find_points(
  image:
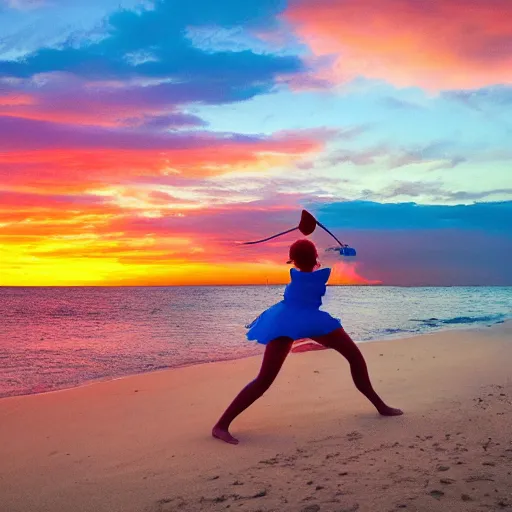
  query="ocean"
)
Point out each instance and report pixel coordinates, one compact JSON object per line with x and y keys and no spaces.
{"x":59,"y":337}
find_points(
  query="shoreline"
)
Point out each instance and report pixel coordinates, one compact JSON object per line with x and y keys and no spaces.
{"x":284,"y":283}
{"x":391,"y":337}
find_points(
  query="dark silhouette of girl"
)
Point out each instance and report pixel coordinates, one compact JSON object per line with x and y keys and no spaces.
{"x":296,"y":317}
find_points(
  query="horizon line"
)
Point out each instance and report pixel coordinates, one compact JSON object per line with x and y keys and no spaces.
{"x":253,"y":284}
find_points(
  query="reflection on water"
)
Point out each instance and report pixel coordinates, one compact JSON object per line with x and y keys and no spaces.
{"x":53,"y":338}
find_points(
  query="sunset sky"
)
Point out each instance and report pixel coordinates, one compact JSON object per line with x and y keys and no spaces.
{"x":139,"y":141}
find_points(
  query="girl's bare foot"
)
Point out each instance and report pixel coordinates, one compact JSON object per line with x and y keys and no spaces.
{"x":223,"y":435}
{"x":390,"y":411}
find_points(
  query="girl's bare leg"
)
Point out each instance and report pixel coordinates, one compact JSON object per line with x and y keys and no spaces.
{"x":275,"y":355}
{"x":340,"y":341}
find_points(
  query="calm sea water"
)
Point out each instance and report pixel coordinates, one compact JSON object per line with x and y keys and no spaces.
{"x":54,"y":338}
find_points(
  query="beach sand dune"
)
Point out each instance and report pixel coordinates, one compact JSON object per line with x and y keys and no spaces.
{"x":311,"y":444}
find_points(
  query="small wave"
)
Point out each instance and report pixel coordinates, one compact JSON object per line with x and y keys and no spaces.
{"x":498,"y":318}
{"x":469,"y":319}
{"x":394,"y":331}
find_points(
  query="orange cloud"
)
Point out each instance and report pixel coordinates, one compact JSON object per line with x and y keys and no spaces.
{"x":345,"y":273}
{"x":15,"y":99}
{"x":101,"y":206}
{"x":82,"y":261}
{"x":80,"y":112}
{"x":74,"y":169}
{"x":44,"y":246}
{"x":440,"y":44}
{"x":64,"y":98}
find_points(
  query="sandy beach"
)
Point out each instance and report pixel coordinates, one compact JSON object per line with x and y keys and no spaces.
{"x":311,"y":444}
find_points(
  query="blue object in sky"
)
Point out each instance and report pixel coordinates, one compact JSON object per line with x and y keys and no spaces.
{"x":347,"y":251}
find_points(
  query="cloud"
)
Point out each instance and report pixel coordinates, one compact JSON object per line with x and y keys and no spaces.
{"x":489,"y":217}
{"x":442,"y":154}
{"x":144,"y":73}
{"x":435,"y":191}
{"x":28,"y":135}
{"x":22,"y":200}
{"x":441,"y":256}
{"x":23,"y":4}
{"x":361,"y":157}
{"x":53,"y":158}
{"x":399,"y":104}
{"x":119,"y":106}
{"x":435,"y":151}
{"x":161,"y":33}
{"x":169,"y":121}
{"x":103,"y":148}
{"x":25,"y":134}
{"x":404,"y":244}
{"x":67,"y":99}
{"x":436,"y":45}
{"x":476,"y":196}
{"x":206,"y":237}
{"x":494,"y":97}
{"x":62,"y":97}
{"x":159,"y":197}
{"x":425,"y":245}
{"x":408,"y":189}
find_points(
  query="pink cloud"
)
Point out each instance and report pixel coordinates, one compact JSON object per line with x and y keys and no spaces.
{"x":436,"y":45}
{"x":65,"y":98}
{"x":62,"y":157}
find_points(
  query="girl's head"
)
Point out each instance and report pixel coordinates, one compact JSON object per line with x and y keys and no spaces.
{"x":303,"y":255}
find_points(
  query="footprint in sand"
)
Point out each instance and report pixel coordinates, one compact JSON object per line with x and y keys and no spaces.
{"x":270,"y":462}
{"x":483,"y":477}
{"x":167,"y":504}
{"x":354,"y":436}
{"x":311,"y":508}
{"x":436,"y":494}
{"x":353,"y":508}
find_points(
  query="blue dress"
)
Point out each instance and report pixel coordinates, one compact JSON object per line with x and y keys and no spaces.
{"x":297,"y":316}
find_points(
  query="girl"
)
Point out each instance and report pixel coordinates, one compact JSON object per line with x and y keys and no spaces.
{"x":297,"y":317}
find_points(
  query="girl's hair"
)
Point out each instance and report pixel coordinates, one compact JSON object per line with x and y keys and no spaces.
{"x":303,"y":254}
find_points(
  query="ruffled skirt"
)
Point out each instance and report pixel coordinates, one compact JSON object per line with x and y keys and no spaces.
{"x":284,"y":319}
